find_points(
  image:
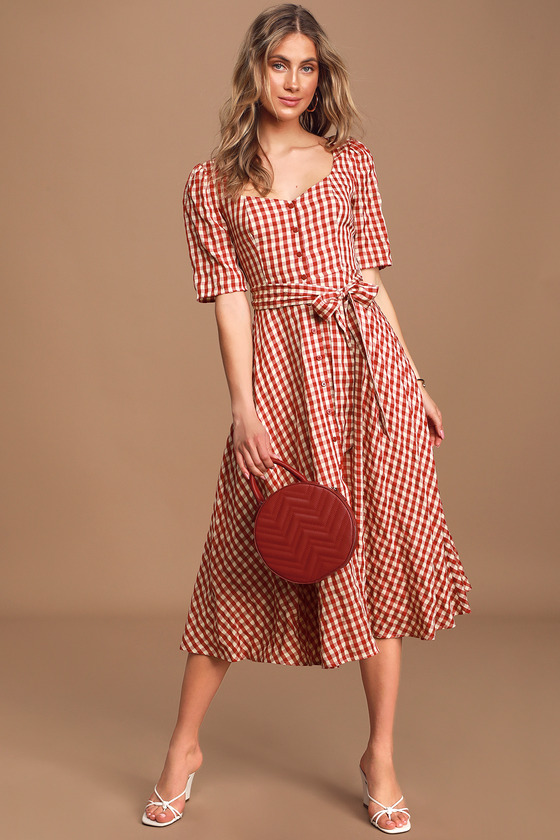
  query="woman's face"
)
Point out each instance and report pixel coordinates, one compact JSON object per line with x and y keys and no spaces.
{"x":293,"y":73}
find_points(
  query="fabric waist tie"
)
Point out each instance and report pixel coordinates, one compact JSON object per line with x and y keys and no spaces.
{"x":326,"y":303}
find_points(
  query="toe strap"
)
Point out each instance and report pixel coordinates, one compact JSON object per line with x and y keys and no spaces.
{"x":387,"y":809}
{"x":166,"y":803}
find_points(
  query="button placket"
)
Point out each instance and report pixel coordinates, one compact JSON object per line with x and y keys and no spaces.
{"x":299,"y":250}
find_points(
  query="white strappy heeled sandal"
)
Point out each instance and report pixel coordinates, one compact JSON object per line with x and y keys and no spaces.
{"x":165,"y":804}
{"x":385,"y":809}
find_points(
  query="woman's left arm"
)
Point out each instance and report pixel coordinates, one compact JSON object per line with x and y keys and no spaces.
{"x":433,"y":414}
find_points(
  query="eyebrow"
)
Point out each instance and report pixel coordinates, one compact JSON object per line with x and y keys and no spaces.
{"x":283,"y":57}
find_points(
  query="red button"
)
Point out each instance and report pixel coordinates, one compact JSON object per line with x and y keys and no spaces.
{"x":335,"y":438}
{"x":290,"y":203}
{"x":298,"y":253}
{"x":295,"y":230}
{"x":318,"y":358}
{"x":302,"y":276}
{"x":313,"y":329}
{"x":329,"y":410}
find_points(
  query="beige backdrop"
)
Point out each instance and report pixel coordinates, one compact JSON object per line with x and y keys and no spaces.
{"x":115,"y":406}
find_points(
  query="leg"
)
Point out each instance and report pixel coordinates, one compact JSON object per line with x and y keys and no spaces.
{"x":380,"y":676}
{"x":202,"y":678}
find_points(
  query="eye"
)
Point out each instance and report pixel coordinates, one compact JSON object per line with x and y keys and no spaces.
{"x":277,"y":64}
{"x":309,"y":67}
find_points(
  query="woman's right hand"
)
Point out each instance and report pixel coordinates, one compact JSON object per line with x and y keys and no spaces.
{"x":252,"y":445}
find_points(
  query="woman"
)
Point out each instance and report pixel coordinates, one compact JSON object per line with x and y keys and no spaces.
{"x":321,"y":378}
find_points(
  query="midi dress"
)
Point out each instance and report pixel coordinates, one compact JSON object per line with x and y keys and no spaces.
{"x":340,"y":401}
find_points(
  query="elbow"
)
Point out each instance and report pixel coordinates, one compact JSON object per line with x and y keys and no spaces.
{"x":231,"y":305}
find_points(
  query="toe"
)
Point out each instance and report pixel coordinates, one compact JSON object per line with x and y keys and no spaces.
{"x":383,"y":822}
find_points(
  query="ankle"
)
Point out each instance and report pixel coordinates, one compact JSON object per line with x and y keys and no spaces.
{"x":379,"y":752}
{"x":180,"y":749}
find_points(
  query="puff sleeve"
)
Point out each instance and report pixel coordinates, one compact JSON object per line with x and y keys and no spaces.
{"x":371,"y":242}
{"x":216,"y":269}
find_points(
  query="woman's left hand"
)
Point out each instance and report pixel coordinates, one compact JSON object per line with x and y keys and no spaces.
{"x":435,"y":422}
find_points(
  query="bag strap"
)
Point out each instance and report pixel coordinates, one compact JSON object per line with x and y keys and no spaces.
{"x":253,"y":479}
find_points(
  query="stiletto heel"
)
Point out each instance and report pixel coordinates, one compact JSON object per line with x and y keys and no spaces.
{"x":384,"y":809}
{"x":165,"y":804}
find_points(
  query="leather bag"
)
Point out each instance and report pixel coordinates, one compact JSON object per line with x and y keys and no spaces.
{"x":304,"y":531}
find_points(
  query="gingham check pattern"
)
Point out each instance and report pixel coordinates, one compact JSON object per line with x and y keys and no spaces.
{"x":338,"y":396}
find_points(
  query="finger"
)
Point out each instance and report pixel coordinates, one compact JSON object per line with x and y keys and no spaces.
{"x":438,"y":427}
{"x":241,"y":464}
{"x":248,"y":464}
{"x":432,"y":433}
{"x":435,"y":436}
{"x":254,"y":464}
{"x":262,"y":454}
{"x":266,"y":455}
{"x":259,"y":464}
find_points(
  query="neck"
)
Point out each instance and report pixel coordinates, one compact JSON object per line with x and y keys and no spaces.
{"x":276,"y":137}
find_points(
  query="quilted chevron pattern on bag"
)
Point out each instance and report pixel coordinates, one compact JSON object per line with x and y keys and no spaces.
{"x":304,"y":532}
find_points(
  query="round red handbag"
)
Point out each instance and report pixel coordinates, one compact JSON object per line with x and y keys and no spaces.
{"x":304,"y":531}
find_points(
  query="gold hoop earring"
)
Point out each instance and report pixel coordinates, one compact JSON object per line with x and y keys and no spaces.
{"x":312,"y":109}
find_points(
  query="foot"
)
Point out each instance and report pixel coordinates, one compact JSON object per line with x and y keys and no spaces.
{"x":383,"y":785}
{"x":176,"y":770}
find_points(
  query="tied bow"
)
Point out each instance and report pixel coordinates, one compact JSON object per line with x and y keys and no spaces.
{"x":329,"y":303}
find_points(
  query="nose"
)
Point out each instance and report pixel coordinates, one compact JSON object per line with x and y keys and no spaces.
{"x":291,"y":82}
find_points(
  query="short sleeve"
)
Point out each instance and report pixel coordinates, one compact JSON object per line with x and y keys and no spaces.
{"x":371,"y":243}
{"x":216,"y":269}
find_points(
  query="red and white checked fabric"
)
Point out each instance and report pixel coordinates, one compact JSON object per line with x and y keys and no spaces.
{"x":337,"y":394}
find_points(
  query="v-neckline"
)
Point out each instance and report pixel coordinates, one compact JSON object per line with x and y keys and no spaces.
{"x":292,"y":201}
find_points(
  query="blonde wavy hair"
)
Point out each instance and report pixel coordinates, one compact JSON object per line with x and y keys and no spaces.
{"x":237,"y":159}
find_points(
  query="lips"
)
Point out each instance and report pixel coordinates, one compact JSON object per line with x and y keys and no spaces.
{"x":289,"y":101}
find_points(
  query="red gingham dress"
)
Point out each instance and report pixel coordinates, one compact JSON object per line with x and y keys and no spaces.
{"x":337,"y":394}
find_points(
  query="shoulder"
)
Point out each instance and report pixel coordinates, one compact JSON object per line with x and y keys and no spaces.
{"x":198,"y":176}
{"x":200,"y":186}
{"x":357,"y":153}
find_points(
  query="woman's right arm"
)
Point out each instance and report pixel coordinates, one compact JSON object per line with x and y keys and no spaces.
{"x":251,"y":440}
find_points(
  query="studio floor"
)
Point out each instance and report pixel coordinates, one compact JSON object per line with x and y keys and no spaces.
{"x":89,"y":703}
